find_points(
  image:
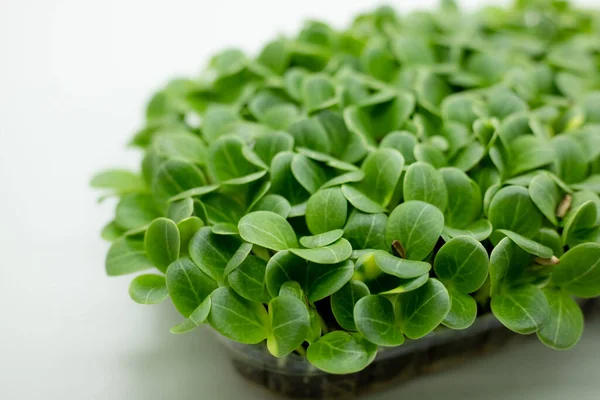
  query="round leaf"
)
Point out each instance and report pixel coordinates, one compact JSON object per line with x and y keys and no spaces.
{"x":382,"y":170}
{"x":463,"y":311}
{"x":126,"y":256}
{"x":274,"y":203}
{"x":405,"y":269}
{"x":290,"y":324}
{"x":322,"y":239}
{"x":212,"y":252}
{"x":237,"y":318}
{"x":162,"y":243}
{"x":545,"y":195}
{"x":462,"y":263}
{"x":523,"y":310}
{"x":326,"y":211}
{"x":564,"y":326}
{"x":423,"y":182}
{"x":331,"y":254}
{"x":267,"y":229}
{"x":338,"y":352}
{"x":366,"y":231}
{"x":579,"y":271}
{"x":421,"y":311}
{"x":308,"y":173}
{"x":376,"y":321}
{"x":148,"y":289}
{"x":417,"y":226}
{"x":360,"y":200}
{"x":188,"y":286}
{"x":248,"y":279}
{"x":512,"y":209}
{"x":343,"y":301}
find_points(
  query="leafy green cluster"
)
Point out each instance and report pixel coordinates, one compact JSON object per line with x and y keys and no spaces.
{"x":346,"y":190}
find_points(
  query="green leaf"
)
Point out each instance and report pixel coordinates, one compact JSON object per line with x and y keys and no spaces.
{"x":212,"y":252}
{"x":318,"y":92}
{"x":343,"y":302}
{"x":181,"y":146}
{"x":283,"y":182}
{"x":459,"y":108}
{"x":382,"y":170}
{"x":227,"y":161}
{"x":126,"y":256}
{"x":405,"y":269}
{"x":512,"y":209}
{"x":238,"y":257}
{"x":267,"y":229}
{"x":188,"y":286}
{"x":412,"y":50}
{"x":269,"y":145}
{"x":338,"y":353}
{"x":580,"y":222}
{"x":579,"y":271}
{"x":464,"y":198}
{"x":523,"y":309}
{"x":237,"y":318}
{"x":508,"y":263}
{"x":290,"y":323}
{"x":463,"y":311}
{"x":462,"y":264}
{"x":187,"y":229}
{"x":225,"y":228}
{"x":284,"y":267}
{"x":174,"y":177}
{"x":366,"y":231}
{"x":381,"y":114}
{"x":592,"y":184}
{"x":479,"y":230}
{"x":349,"y":177}
{"x":376,"y":321}
{"x":196,"y":318}
{"x":310,"y":133}
{"x":308,"y":173}
{"x":564,"y":326}
{"x":423,"y":182}
{"x":360,"y":200}
{"x":326,"y":210}
{"x":325,"y":280}
{"x":468,"y":157}
{"x":162,"y":243}
{"x":135,"y":210}
{"x":274,"y":203}
{"x":421,"y":311}
{"x":417,"y":226}
{"x":194,"y":192}
{"x":431,"y":90}
{"x":322,"y":239}
{"x":222,"y":208}
{"x":528,"y":152}
{"x":402,"y":141}
{"x":503,"y":102}
{"x":248,"y":279}
{"x":570,"y":159}
{"x":111,"y":232}
{"x":148,"y":289}
{"x":331,"y":254}
{"x":292,"y":288}
{"x":545,"y":195}
{"x":528,"y":245}
{"x":118,"y":180}
{"x":405,"y":285}
{"x":431,"y":155}
{"x":181,"y":209}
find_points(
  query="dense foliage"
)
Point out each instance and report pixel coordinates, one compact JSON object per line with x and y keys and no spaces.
{"x":348,"y":190}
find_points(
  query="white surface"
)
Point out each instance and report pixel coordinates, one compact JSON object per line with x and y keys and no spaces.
{"x":74,"y":76}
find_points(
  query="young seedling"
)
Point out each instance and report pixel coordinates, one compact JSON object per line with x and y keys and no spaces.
{"x":347,"y":190}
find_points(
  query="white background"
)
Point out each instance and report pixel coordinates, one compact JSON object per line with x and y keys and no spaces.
{"x":74,"y":77}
